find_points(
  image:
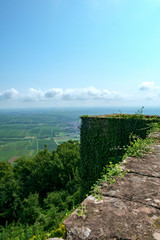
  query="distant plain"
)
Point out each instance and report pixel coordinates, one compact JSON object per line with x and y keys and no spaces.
{"x":25,"y":132}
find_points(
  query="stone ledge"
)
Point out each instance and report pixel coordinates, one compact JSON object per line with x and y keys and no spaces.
{"x":113,"y":218}
{"x":129,"y":209}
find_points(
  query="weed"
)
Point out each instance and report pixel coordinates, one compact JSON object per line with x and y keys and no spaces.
{"x":108,"y":175}
{"x":95,"y":191}
{"x":153,"y":127}
{"x":140,"y":111}
{"x":157,"y":223}
{"x":138,"y":146}
{"x":81,"y":211}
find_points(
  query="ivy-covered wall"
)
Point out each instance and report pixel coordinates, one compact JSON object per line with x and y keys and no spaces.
{"x":102,"y":141}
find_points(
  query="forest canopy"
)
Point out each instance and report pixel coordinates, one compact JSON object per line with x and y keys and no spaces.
{"x":39,"y":191}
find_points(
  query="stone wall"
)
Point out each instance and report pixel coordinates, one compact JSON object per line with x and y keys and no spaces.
{"x":129,"y":208}
{"x":102,"y":141}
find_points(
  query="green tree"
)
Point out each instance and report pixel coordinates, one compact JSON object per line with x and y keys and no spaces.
{"x":22,"y":172}
{"x":9,"y":197}
{"x":30,"y":209}
{"x":41,"y":189}
{"x":68,"y":153}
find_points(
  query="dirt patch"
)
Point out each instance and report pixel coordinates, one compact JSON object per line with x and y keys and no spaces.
{"x":13,"y":159}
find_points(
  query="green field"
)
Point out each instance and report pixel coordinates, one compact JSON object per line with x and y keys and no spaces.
{"x":27,"y":132}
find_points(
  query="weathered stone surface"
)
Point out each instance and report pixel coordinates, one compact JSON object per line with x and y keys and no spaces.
{"x":54,"y":239}
{"x":129,"y":209}
{"x":147,"y":165}
{"x":134,"y":187}
{"x":113,"y":218}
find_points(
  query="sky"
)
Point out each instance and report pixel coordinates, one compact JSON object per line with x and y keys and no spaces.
{"x":64,"y":53}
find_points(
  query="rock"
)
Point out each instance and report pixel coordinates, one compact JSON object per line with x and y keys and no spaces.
{"x":54,"y":239}
{"x":129,"y":209}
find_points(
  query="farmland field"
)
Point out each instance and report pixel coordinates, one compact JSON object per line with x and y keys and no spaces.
{"x":27,"y":132}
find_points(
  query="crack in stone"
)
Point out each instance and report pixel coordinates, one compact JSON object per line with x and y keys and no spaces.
{"x":131,"y":200}
{"x":143,"y":174}
{"x":117,"y":238}
{"x":150,"y":205}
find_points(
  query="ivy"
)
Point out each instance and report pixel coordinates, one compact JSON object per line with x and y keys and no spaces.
{"x":109,"y":175}
{"x":138,"y":146}
{"x":104,"y":139}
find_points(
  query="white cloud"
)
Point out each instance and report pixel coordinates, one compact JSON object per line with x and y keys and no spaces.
{"x":37,"y":95}
{"x":90,"y":93}
{"x":54,"y":92}
{"x":8,"y":94}
{"x":151,"y":92}
{"x":32,"y":95}
{"x":90,"y":96}
{"x":147,"y":86}
{"x":81,"y":93}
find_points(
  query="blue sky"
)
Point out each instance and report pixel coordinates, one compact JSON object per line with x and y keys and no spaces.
{"x":79,"y":53}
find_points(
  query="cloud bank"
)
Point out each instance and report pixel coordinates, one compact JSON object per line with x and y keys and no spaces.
{"x":146,"y":93}
{"x":32,"y":94}
{"x":151,"y":91}
{"x":9,"y":94}
{"x":148,"y":86}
